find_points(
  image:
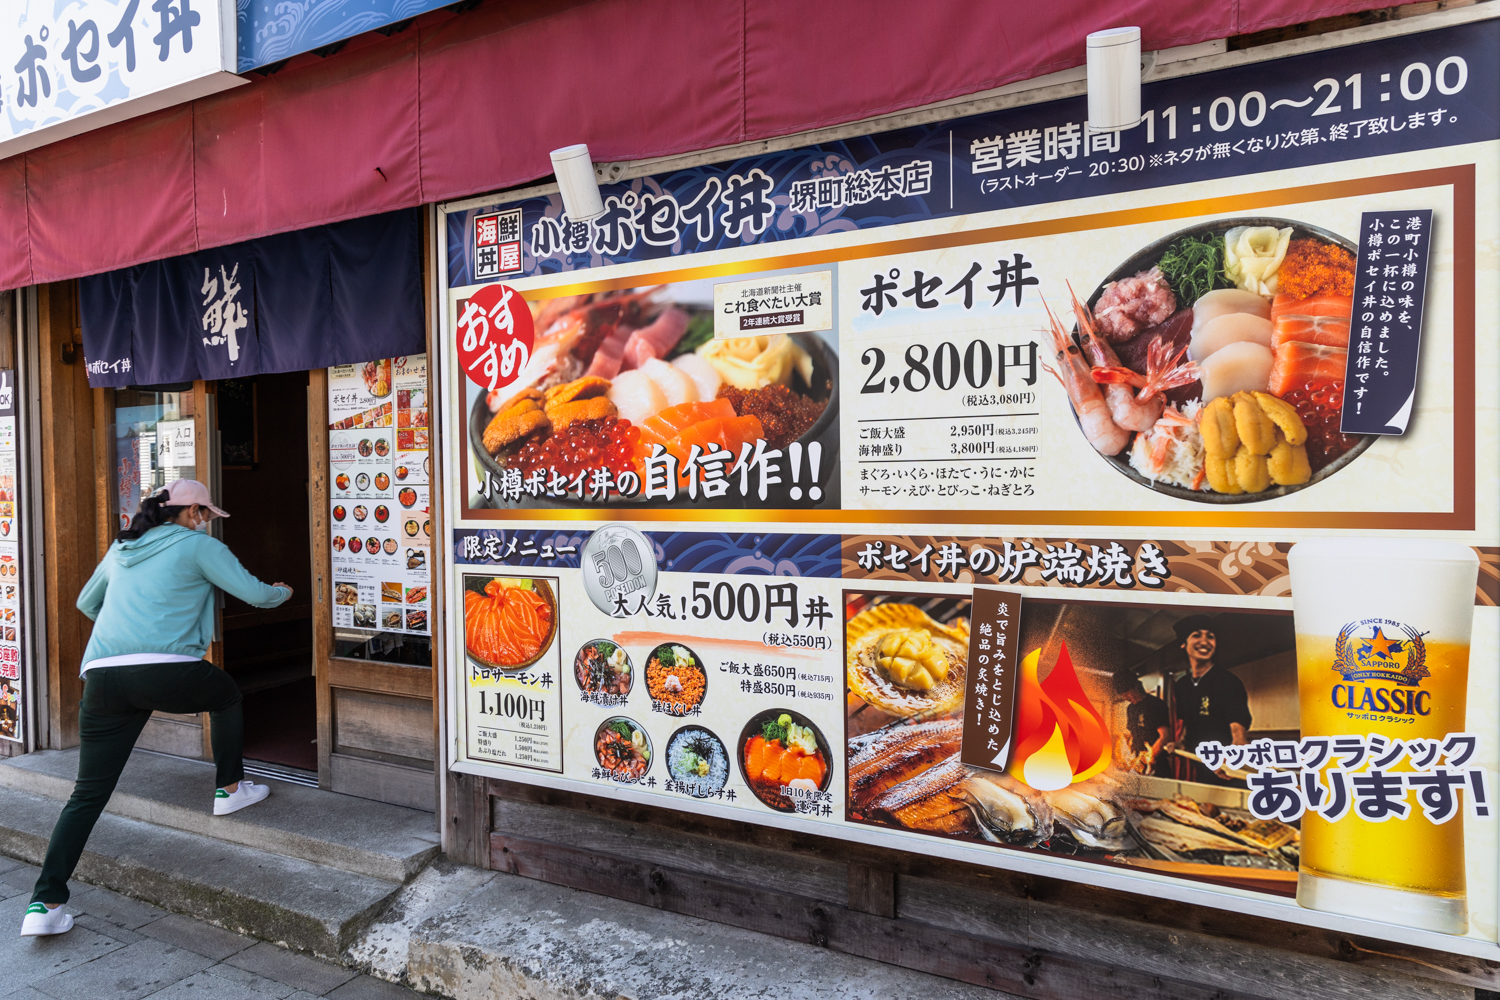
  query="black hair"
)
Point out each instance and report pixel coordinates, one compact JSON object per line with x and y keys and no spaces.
{"x":153,"y":512}
{"x":1126,"y":681}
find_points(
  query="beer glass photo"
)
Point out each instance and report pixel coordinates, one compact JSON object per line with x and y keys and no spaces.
{"x":1383,"y":629}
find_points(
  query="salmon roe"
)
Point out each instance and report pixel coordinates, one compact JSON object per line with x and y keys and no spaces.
{"x":1321,"y":407}
{"x":583,"y":445}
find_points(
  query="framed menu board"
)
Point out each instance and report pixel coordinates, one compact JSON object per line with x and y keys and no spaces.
{"x":379,"y":464}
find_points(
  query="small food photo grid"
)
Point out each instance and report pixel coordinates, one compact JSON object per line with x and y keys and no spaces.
{"x":1213,"y":360}
{"x":779,"y":753}
{"x":705,"y":716}
{"x":380,"y":523}
{"x":1110,"y":696}
{"x":617,"y":376}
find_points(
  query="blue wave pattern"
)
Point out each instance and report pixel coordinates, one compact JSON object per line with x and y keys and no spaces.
{"x":273,"y":30}
{"x":1213,"y":126}
{"x":745,"y":554}
{"x":748,"y":554}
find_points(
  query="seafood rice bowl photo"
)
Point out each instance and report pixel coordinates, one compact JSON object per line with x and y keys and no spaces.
{"x":784,"y":759}
{"x":1210,"y":365}
{"x":696,"y":759}
{"x":616,"y":377}
{"x":623,"y":749}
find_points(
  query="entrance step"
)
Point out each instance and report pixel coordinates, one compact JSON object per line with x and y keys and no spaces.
{"x":303,"y":905}
{"x":374,"y":839}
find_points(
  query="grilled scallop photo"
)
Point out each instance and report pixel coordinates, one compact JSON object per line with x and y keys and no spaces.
{"x":903,"y":662}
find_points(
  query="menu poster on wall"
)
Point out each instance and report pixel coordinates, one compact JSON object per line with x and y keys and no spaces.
{"x":11,"y":716}
{"x":380,"y":524}
{"x":1031,"y":530}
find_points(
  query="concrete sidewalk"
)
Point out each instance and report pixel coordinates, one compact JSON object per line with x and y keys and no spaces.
{"x":319,"y":894}
{"x":123,"y":949}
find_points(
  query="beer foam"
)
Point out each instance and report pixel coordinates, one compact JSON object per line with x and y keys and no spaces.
{"x":1421,"y":582}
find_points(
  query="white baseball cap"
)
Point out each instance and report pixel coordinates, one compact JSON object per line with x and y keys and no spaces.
{"x":186,"y":492}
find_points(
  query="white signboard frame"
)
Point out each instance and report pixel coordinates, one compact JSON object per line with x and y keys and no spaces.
{"x":83,"y":64}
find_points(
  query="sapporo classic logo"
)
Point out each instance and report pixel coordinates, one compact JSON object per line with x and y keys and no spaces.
{"x":1375,"y":652}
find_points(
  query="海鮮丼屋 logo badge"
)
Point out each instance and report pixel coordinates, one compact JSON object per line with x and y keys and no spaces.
{"x":1378,"y":649}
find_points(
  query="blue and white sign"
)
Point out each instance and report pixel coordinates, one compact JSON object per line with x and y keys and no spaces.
{"x":69,"y":66}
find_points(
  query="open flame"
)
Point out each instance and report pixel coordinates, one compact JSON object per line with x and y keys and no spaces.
{"x":1061,"y":739}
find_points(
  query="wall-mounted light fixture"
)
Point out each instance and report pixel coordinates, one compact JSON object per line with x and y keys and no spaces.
{"x":1114,"y":70}
{"x":576,"y":181}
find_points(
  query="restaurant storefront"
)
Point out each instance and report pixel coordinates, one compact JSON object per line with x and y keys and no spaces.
{"x":300,"y":397}
{"x":858,"y":535}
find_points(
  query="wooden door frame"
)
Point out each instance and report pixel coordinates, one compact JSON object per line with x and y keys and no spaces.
{"x":322,"y":566}
{"x":69,"y":500}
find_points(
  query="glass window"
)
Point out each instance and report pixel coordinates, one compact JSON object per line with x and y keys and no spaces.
{"x":152,"y":444}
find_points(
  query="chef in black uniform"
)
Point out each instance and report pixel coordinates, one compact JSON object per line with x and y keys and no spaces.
{"x":1208,"y":702}
{"x":1148,"y":725}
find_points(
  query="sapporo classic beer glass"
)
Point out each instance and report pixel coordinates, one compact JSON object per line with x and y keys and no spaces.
{"x":1383,"y":630}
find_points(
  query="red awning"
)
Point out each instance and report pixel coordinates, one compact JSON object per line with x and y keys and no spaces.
{"x":464,"y":103}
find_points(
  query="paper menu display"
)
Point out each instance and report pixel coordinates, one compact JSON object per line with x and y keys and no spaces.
{"x":11,"y":711}
{"x":379,"y":519}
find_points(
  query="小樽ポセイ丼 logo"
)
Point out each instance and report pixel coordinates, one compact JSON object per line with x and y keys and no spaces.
{"x":1378,"y":649}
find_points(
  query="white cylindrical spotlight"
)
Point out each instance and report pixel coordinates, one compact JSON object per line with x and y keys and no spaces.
{"x":576,"y":181}
{"x":1114,"y":68}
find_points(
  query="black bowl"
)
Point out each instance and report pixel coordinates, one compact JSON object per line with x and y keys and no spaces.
{"x":825,"y":385}
{"x":1146,"y":259}
{"x":778,"y":801}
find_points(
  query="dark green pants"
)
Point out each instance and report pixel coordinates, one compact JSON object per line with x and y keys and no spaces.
{"x":116,"y":704}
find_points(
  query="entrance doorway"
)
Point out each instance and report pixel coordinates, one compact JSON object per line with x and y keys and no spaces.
{"x":262,"y":426}
{"x":346,"y":702}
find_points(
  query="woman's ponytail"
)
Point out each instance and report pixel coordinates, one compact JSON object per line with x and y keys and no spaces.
{"x":152,"y":513}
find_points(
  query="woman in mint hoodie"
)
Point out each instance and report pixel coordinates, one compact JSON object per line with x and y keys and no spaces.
{"x":152,"y":603}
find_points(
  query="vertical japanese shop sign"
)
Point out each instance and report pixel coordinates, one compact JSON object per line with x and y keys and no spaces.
{"x":382,"y":530}
{"x":11,"y":716}
{"x":1390,"y":289}
{"x":989,"y":702}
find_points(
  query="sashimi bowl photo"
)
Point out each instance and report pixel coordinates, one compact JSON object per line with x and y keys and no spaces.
{"x":1210,"y":365}
{"x":616,"y":376}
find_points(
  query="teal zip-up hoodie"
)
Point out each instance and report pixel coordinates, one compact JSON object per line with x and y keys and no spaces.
{"x":155,"y":594}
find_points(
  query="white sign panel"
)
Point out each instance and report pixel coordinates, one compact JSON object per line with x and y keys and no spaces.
{"x":175,"y":445}
{"x":74,"y":65}
{"x":793,"y":303}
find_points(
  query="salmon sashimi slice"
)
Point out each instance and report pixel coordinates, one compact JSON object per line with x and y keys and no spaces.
{"x":1334,"y":306}
{"x":770,"y":767}
{"x":667,"y":424}
{"x":727,"y":434}
{"x":755,"y":755}
{"x":811,"y":768}
{"x":1298,"y":364}
{"x":1324,"y":330}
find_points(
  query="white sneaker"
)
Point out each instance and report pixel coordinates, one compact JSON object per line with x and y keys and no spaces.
{"x":40,"y":921}
{"x":247,"y":794}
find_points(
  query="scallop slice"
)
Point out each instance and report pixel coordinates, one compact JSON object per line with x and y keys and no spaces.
{"x":1243,"y":366}
{"x":675,"y":383}
{"x":703,"y":374}
{"x":1230,"y":328}
{"x":1229,"y":300}
{"x":636,"y":397}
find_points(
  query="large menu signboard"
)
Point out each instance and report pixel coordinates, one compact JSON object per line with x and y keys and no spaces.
{"x":379,"y":460}
{"x":1112,"y":506}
